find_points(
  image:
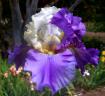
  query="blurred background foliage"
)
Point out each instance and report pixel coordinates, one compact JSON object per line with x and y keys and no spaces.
{"x":89,"y":10}
{"x":92,"y":12}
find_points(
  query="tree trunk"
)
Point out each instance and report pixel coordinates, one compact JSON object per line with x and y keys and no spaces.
{"x":17,"y":21}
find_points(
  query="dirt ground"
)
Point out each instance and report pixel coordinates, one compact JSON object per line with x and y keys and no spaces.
{"x":97,"y":92}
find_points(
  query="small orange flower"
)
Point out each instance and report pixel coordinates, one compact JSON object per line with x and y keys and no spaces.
{"x":19,"y":70}
{"x":14,"y":73}
{"x":6,"y":74}
{"x":12,"y":68}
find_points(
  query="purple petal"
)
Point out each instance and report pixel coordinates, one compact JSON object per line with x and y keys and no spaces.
{"x":55,"y":71}
{"x":62,"y":19}
{"x":68,"y":23}
{"x":84,"y":56}
{"x":18,"y":55}
{"x":94,"y":54}
{"x":82,"y":29}
{"x":76,"y":20}
{"x":71,"y":26}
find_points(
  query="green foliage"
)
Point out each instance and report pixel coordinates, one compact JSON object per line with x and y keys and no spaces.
{"x":18,"y":86}
{"x":91,"y":10}
{"x":96,"y":78}
{"x":94,"y":43}
{"x":12,"y":86}
{"x":95,"y":26}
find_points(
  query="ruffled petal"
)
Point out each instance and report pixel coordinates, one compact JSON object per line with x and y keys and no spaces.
{"x":53,"y":71}
{"x":62,"y":19}
{"x":72,"y":26}
{"x":86,"y":56}
{"x":57,"y":70}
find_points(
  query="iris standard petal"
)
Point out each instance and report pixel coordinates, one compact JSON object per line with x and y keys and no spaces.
{"x":72,"y":26}
{"x":62,"y":20}
{"x":67,"y":22}
{"x":53,"y":71}
{"x":57,"y":70}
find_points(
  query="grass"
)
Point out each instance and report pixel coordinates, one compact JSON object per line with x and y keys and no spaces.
{"x":17,"y":86}
{"x":96,"y":78}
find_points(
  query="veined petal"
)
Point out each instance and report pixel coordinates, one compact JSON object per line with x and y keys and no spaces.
{"x":44,"y":32}
{"x":54,"y":71}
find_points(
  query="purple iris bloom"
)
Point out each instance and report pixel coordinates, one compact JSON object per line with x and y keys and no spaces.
{"x":57,"y":70}
{"x":73,"y":33}
{"x":53,"y":71}
{"x":71,"y":25}
{"x":18,"y":55}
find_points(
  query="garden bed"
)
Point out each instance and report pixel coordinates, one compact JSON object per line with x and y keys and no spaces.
{"x":97,"y":35}
{"x":97,"y":92}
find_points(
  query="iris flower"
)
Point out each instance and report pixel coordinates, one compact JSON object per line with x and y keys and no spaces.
{"x":54,"y":48}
